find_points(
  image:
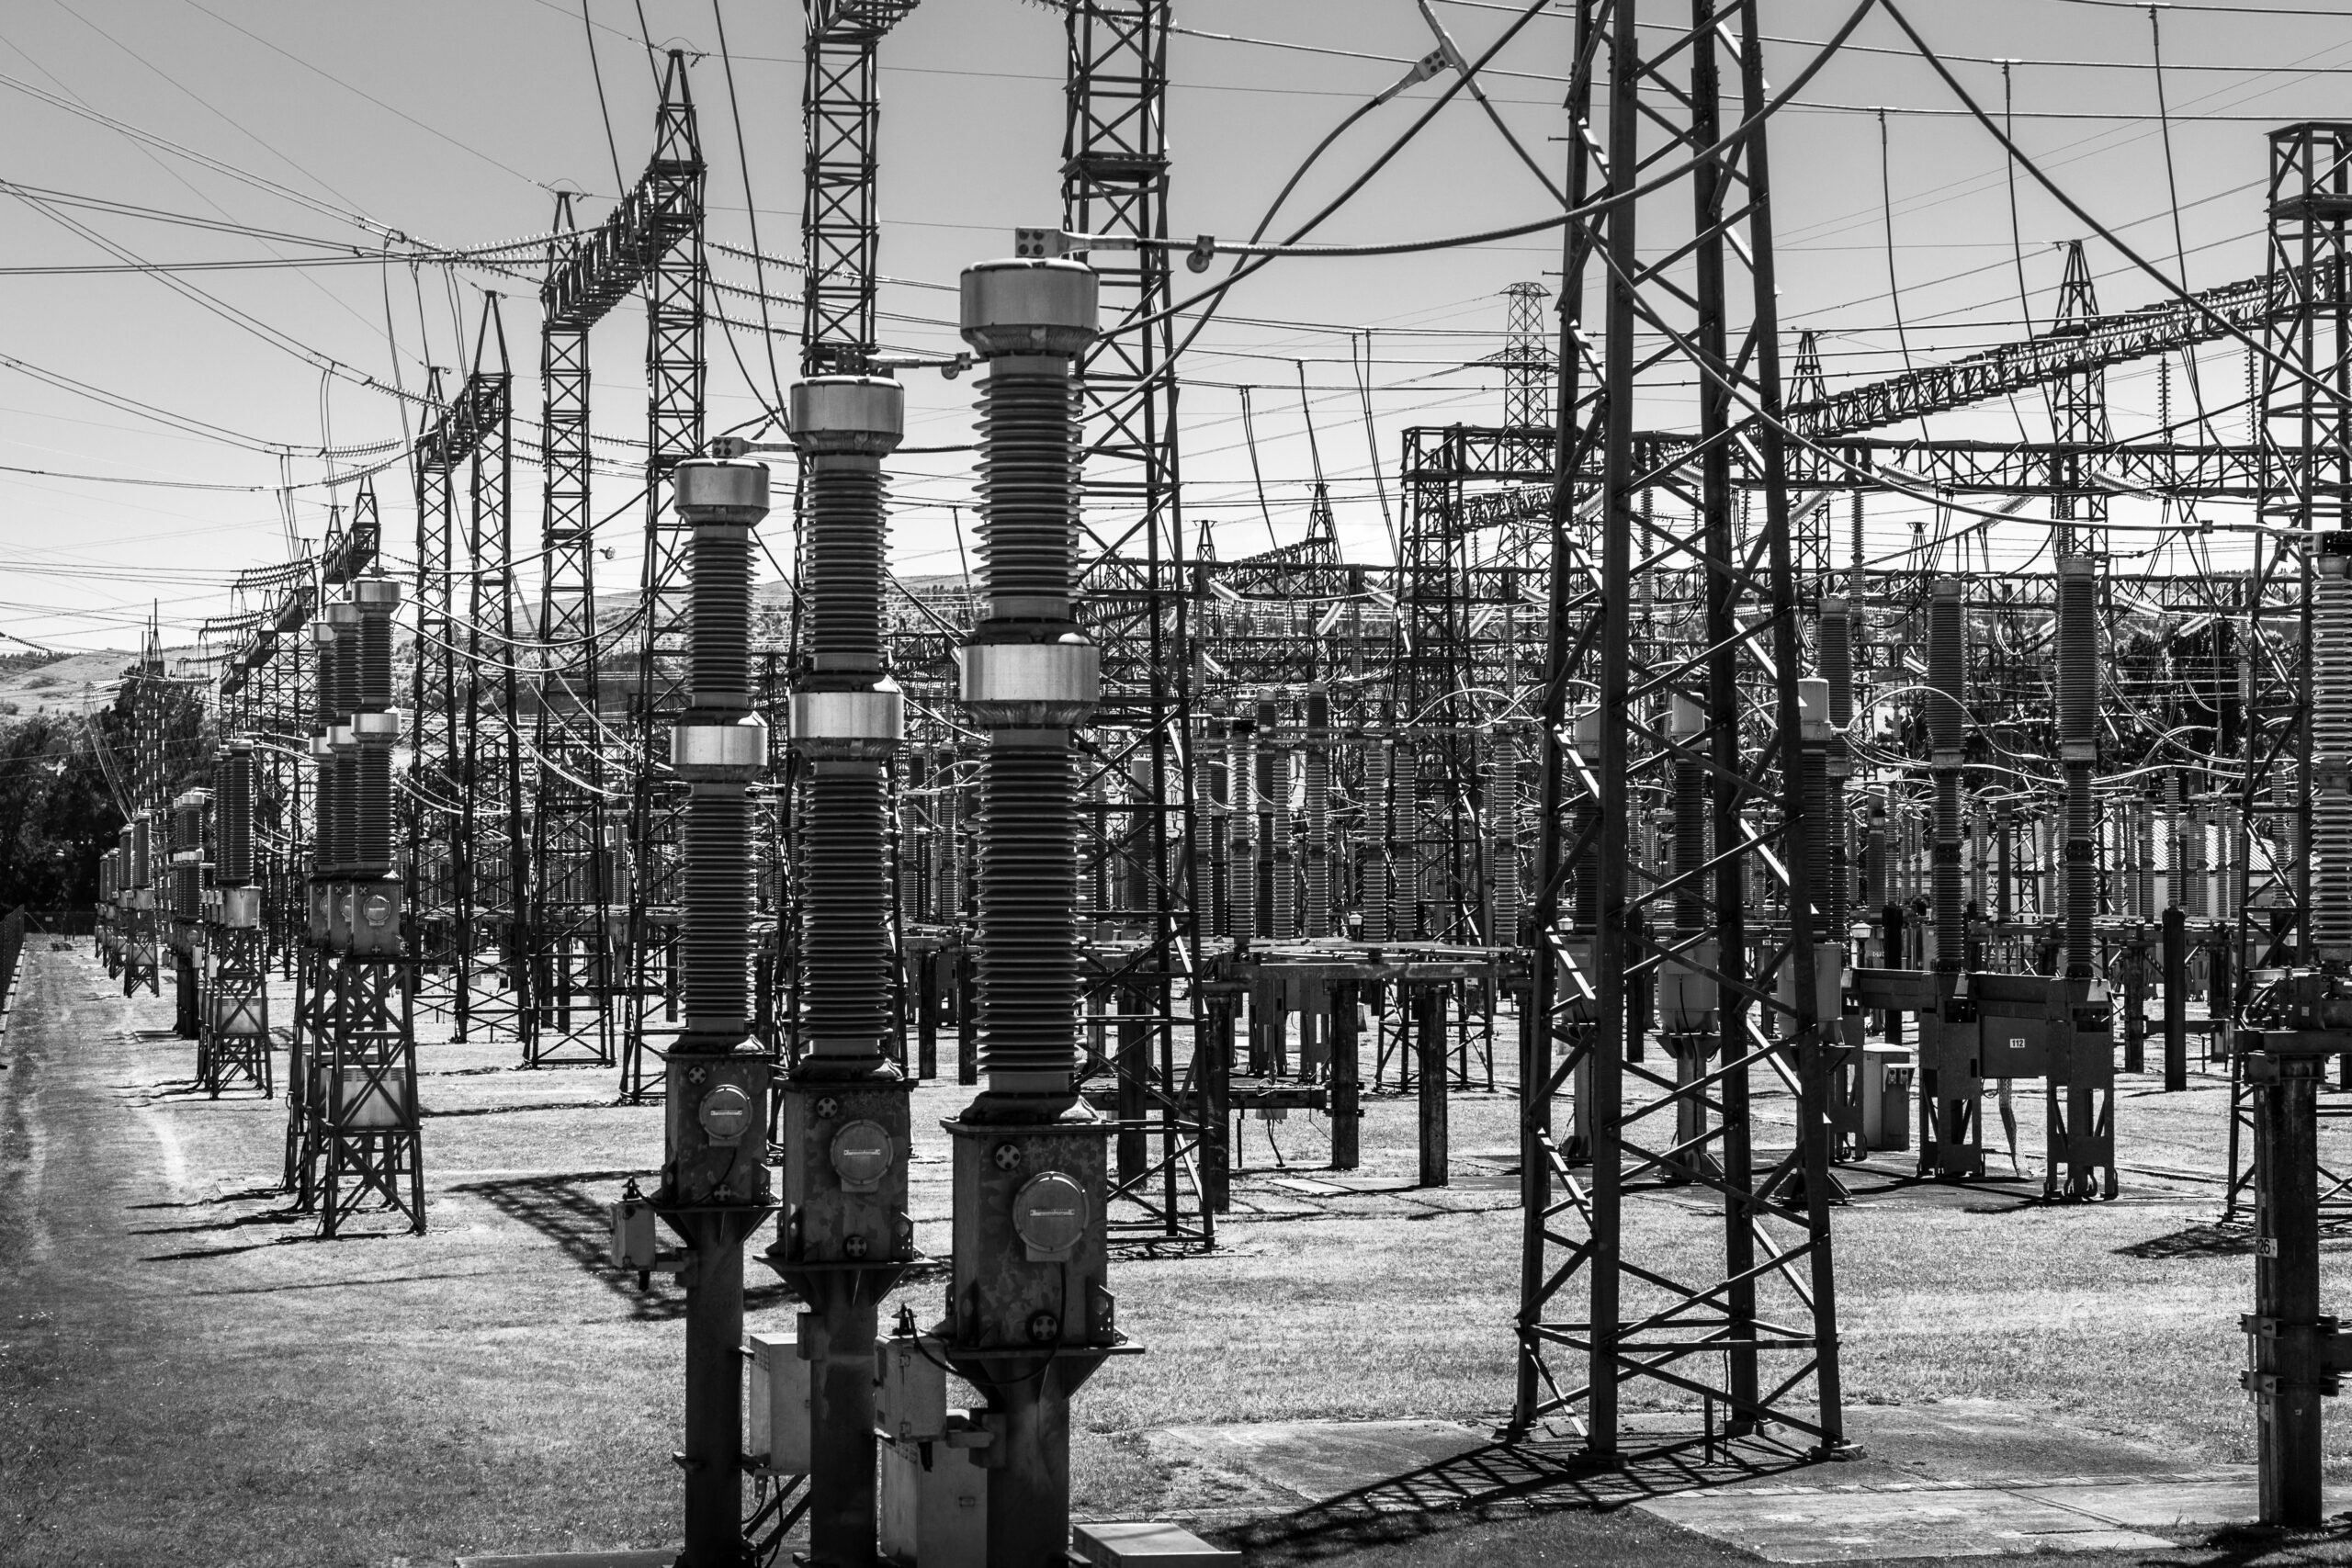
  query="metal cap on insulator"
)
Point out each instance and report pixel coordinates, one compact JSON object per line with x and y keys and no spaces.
{"x":1813,"y":706}
{"x":719,"y":489}
{"x":861,"y":416}
{"x":375,"y":595}
{"x":1041,"y":306}
{"x":1684,"y":717}
{"x":1583,"y":727}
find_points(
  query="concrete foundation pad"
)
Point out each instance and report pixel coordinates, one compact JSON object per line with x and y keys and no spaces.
{"x":654,"y":1559}
{"x":1806,"y":1525}
{"x":1321,"y":1459}
{"x":1156,"y":1540}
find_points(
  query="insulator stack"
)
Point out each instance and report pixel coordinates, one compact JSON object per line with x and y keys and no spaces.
{"x":374,"y":726}
{"x":2078,"y":754}
{"x":342,"y":618}
{"x":1502,"y":832}
{"x":1208,"y":825}
{"x":2225,"y":877}
{"x":1946,"y":706}
{"x":1317,"y":762}
{"x":718,"y":746}
{"x":1688,"y":725}
{"x":1029,"y":675}
{"x":1375,"y":875}
{"x":233,"y":814}
{"x":1585,"y":906}
{"x":950,"y":845}
{"x":2331,"y":721}
{"x":1813,"y":765}
{"x":909,"y":849}
{"x":1875,"y":887}
{"x":847,"y":718}
{"x":1405,"y":847}
{"x":1837,"y":669}
{"x":325,"y":835}
{"x":2197,"y":869}
{"x":1273,"y":821}
{"x":1136,"y":862}
{"x":1838,"y":658}
{"x":1242,"y":824}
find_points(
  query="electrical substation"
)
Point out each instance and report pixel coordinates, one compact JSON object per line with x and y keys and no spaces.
{"x":1749,"y":851}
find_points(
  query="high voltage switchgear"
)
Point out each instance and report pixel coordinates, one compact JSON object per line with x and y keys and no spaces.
{"x":844,"y":1237}
{"x":1030,"y":1316}
{"x":355,"y":1133}
{"x":714,"y":1185}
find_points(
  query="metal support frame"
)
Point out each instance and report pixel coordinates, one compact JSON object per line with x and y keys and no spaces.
{"x":1703,"y":1334}
{"x":493,"y":976}
{"x":569,"y":930}
{"x":1134,"y":598}
{"x":676,"y":284}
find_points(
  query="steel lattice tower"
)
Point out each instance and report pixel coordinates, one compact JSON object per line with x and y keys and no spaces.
{"x":1748,"y":1325}
{"x":2078,"y":418}
{"x":2301,"y":696}
{"x":1114,"y":184}
{"x":571,"y":893}
{"x":433,"y":745}
{"x":675,"y":289}
{"x":1528,"y":373}
{"x":840,"y":115}
{"x":490,"y":823}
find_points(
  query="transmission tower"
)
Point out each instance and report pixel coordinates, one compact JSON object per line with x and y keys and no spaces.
{"x":676,"y":287}
{"x":2078,"y":418}
{"x":1746,"y":1326}
{"x":569,"y":930}
{"x":1114,"y":184}
{"x":1528,"y":371}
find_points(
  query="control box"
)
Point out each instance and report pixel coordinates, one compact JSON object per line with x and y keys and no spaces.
{"x":934,"y":1502}
{"x":779,"y":1437}
{"x":909,"y":1388}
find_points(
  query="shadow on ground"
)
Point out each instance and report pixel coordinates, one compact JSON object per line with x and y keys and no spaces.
{"x":571,"y":1209}
{"x":1498,"y":1482}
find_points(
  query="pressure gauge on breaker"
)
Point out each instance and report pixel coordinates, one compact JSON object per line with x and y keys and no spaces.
{"x":1049,"y":1215}
{"x":724,"y":1113}
{"x":862,"y":1153}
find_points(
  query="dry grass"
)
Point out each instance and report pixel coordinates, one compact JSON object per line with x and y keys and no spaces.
{"x":184,"y":1374}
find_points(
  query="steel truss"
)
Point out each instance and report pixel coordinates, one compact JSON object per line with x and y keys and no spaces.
{"x":840,"y":115}
{"x":675,"y":280}
{"x":568,"y":934}
{"x":459,"y":889}
{"x":1133,"y":602}
{"x":595,"y":940}
{"x":365,"y":1129}
{"x":1748,"y":1325}
{"x":2253,"y":307}
{"x":493,"y":983}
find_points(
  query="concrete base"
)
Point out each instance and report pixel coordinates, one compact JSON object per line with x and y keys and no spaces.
{"x":1784,"y":1524}
{"x":659,"y":1558}
{"x":1153,"y":1542}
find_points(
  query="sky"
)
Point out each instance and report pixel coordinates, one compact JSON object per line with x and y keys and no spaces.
{"x":454,"y":121}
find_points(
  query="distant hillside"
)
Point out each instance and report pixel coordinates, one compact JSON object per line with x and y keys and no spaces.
{"x":44,"y":685}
